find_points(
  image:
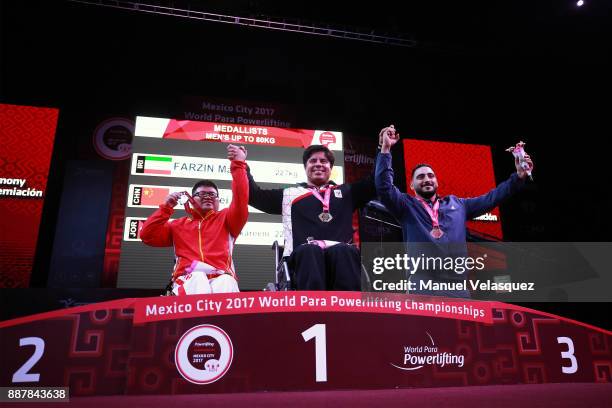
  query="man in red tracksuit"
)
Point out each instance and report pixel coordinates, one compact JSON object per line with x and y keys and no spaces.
{"x":204,"y":239}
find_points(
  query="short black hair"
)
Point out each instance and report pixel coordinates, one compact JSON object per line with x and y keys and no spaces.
{"x":204,"y":183}
{"x":310,"y":150}
{"x":418,"y":166}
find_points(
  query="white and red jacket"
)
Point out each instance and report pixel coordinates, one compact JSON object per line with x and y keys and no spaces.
{"x":202,"y":236}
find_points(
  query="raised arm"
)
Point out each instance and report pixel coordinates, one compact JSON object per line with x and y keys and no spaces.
{"x":390,"y":195}
{"x":268,"y":201}
{"x":363,"y":190}
{"x":479,"y":205}
{"x":238,"y":211}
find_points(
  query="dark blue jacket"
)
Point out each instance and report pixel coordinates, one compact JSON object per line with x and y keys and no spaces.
{"x":453,"y":213}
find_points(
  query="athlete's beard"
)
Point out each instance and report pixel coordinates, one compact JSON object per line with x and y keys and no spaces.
{"x":427,"y":194}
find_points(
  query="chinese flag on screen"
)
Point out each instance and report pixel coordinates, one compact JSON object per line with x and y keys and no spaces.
{"x":154,"y":195}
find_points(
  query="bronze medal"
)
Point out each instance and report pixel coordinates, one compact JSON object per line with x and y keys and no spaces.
{"x":436,"y":233}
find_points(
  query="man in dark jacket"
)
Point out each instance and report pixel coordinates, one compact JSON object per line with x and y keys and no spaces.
{"x":434,"y":225}
{"x":317,"y":223}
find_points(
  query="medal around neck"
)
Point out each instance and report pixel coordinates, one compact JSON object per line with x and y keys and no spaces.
{"x":436,"y":233}
{"x":325,"y":216}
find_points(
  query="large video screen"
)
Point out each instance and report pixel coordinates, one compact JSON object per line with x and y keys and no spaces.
{"x":172,"y":155}
{"x":27,"y":134}
{"x":464,"y":170}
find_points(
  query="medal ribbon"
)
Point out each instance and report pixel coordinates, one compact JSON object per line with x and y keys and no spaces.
{"x":325,"y":199}
{"x":433,"y":212}
{"x":194,"y":206}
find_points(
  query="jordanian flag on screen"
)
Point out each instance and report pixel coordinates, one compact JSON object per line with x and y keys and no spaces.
{"x":154,"y":165}
{"x":151,"y":196}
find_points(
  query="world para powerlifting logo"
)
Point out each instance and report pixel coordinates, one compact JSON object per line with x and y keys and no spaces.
{"x":204,"y":354}
{"x":427,"y":353}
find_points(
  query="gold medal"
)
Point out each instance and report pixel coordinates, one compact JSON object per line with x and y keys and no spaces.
{"x":325,"y":216}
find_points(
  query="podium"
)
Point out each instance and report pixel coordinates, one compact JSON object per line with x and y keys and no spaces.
{"x":296,"y":341}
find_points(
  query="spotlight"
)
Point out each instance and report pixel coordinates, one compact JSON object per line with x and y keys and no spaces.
{"x":580,"y":3}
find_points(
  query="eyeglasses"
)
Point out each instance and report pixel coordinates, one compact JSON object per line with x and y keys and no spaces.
{"x":206,"y":194}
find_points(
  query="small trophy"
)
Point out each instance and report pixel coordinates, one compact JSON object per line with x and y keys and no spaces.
{"x":518,"y":152}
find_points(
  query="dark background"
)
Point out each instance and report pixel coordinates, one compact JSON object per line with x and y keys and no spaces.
{"x":480,"y":72}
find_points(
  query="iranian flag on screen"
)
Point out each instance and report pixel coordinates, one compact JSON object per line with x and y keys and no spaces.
{"x":154,"y":165}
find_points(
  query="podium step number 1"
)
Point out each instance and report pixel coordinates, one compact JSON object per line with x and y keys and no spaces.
{"x":318,"y":333}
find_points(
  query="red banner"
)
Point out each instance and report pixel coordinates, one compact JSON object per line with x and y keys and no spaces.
{"x":169,"y":308}
{"x":27,"y":135}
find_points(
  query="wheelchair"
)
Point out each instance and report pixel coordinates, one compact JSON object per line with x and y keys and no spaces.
{"x":168,"y":289}
{"x":373,"y":214}
{"x":284,"y":277}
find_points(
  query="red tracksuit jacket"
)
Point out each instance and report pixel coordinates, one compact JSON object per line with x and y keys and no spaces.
{"x":208,"y":237}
